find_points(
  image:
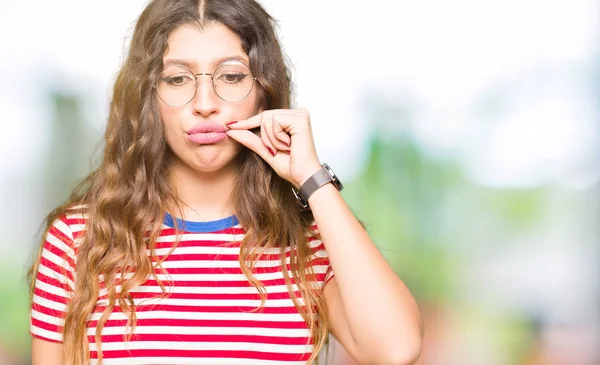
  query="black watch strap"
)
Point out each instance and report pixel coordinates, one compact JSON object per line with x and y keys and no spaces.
{"x":320,"y":178}
{"x":313,"y":183}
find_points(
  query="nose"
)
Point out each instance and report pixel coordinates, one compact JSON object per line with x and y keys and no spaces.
{"x":205,"y":101}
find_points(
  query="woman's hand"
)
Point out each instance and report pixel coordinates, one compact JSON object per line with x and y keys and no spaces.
{"x":285,"y":142}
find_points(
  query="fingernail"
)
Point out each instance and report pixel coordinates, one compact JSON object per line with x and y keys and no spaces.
{"x":230,"y":123}
{"x":271,"y":151}
{"x":285,"y":143}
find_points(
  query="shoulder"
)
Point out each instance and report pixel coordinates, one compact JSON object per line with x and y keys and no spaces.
{"x":69,"y":226}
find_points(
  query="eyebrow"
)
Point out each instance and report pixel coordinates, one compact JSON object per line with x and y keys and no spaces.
{"x":190,"y":64}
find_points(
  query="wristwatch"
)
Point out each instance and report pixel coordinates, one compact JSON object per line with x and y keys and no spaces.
{"x":320,"y":178}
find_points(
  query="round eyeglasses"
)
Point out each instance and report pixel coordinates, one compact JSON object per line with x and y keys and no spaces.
{"x":232,"y":81}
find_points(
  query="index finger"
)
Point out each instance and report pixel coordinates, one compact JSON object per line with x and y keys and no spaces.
{"x":249,"y":123}
{"x":257,"y":120}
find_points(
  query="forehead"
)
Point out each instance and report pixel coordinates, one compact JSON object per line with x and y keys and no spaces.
{"x":204,"y":48}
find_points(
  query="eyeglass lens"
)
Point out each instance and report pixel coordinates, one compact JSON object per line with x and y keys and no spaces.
{"x":232,"y":81}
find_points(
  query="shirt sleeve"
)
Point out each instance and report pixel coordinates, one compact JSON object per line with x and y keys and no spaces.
{"x":320,"y":261}
{"x":54,"y":283}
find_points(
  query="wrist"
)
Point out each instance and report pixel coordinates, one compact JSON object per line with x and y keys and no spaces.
{"x":322,"y":192}
{"x":323,"y":175}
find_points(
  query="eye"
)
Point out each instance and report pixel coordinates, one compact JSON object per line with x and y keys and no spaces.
{"x":233,"y":78}
{"x":177,"y":80}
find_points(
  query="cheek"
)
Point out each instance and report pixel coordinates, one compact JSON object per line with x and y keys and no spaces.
{"x":167,"y":115}
{"x":168,"y":118}
{"x":250,"y":106}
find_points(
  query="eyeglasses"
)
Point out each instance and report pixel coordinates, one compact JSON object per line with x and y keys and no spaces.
{"x":232,"y":81}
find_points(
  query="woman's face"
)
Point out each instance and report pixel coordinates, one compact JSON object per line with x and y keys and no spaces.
{"x":194,"y":131}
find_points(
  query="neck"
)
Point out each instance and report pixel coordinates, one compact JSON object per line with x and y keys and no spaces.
{"x":204,"y":196}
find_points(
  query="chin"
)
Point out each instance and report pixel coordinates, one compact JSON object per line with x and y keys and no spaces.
{"x":207,"y":158}
{"x":207,"y":163}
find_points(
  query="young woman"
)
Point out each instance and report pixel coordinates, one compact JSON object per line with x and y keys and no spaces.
{"x":211,"y":232}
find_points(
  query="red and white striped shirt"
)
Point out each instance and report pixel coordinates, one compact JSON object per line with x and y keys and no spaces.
{"x":209,"y":316}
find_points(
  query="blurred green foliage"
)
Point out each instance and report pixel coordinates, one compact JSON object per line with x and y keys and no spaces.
{"x":72,"y":143}
{"x":14,"y":309}
{"x":71,"y":150}
{"x":400,"y":197}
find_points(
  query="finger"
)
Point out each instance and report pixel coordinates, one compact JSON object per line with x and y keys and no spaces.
{"x":302,"y":111}
{"x":265,"y":139}
{"x":257,"y":120}
{"x":280,"y":135}
{"x":249,"y":123}
{"x":253,"y":142}
{"x":268,"y":127}
{"x":292,"y":124}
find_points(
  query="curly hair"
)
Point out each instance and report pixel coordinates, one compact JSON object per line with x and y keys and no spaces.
{"x":130,"y":189}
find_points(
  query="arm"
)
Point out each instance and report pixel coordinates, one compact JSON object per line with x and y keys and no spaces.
{"x":46,"y":352}
{"x":372,"y":313}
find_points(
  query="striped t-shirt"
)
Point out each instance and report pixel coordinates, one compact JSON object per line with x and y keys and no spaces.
{"x":210,"y":315}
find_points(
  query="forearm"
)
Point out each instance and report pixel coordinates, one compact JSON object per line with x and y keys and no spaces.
{"x":382,"y":315}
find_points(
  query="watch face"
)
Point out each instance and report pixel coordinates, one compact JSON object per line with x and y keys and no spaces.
{"x":336,"y":181}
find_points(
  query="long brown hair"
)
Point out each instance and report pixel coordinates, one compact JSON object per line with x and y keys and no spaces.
{"x":130,"y":188}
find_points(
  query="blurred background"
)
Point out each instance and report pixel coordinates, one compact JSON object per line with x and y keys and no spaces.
{"x":467,"y":134}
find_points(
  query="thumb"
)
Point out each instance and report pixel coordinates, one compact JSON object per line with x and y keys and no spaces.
{"x":251,"y":141}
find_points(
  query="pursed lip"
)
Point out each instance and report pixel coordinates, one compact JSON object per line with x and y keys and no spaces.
{"x":207,"y":127}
